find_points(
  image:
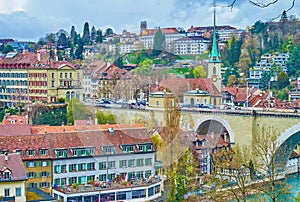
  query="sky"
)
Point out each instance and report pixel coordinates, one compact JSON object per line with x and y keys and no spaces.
{"x":32,"y":19}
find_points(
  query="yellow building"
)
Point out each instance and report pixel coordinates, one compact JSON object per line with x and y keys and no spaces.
{"x":34,"y":152}
{"x":200,"y":98}
{"x":158,"y":99}
{"x":25,"y":77}
{"x":12,"y":178}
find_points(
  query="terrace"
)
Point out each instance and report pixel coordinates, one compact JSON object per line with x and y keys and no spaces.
{"x":118,"y":189}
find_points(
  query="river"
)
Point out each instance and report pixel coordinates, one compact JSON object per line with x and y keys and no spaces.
{"x":292,"y":180}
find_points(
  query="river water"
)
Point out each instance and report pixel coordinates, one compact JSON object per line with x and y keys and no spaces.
{"x":293,"y":180}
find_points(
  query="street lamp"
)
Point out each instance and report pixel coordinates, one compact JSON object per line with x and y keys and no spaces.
{"x":247,"y":104}
{"x":269,"y":94}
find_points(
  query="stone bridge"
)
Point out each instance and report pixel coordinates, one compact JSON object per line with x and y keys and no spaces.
{"x":240,"y":125}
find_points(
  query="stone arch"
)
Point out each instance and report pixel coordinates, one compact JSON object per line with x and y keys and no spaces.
{"x":223,"y":122}
{"x":289,"y":139}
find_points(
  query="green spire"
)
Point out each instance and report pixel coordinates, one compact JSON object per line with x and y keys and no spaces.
{"x":214,"y":55}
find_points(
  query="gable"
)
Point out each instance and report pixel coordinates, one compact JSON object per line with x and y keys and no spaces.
{"x":65,"y":67}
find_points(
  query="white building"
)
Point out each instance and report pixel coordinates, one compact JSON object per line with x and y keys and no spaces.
{"x":192,"y":45}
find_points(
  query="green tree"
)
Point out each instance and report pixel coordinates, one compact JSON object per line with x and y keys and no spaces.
{"x":86,"y":33}
{"x":282,"y":80}
{"x":199,"y":72}
{"x":158,"y":41}
{"x":105,"y":117}
{"x":76,"y":111}
{"x":293,"y":63}
{"x":109,"y":31}
{"x":93,"y":34}
{"x":144,"y":67}
{"x":230,"y":71}
{"x":99,"y":38}
{"x":50,"y":38}
{"x":7,"y":48}
{"x":62,"y":40}
{"x":233,"y":51}
{"x":79,"y":49}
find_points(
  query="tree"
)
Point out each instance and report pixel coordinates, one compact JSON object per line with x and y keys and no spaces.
{"x":79,"y":49}
{"x":159,"y":39}
{"x":109,"y":31}
{"x":93,"y":34}
{"x":105,"y":117}
{"x":76,"y":111}
{"x":86,"y":34}
{"x":199,"y":72}
{"x":282,"y":80}
{"x":62,"y":40}
{"x":269,"y":162}
{"x":231,"y":81}
{"x":293,"y":63}
{"x":7,"y":48}
{"x":50,"y":38}
{"x":99,"y":38}
{"x":233,"y":51}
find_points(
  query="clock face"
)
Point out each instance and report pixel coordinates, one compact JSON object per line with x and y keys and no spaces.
{"x":214,"y":79}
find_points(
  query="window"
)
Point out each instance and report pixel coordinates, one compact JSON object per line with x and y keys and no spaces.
{"x":52,"y":76}
{"x":72,"y":180}
{"x":139,"y":174}
{"x":147,"y":147}
{"x":108,"y":150}
{"x":81,"y":166}
{"x":140,"y":162}
{"x":6,"y":175}
{"x":91,"y":166}
{"x":52,"y":84}
{"x":147,"y":173}
{"x":61,"y":75}
{"x":44,"y":185}
{"x":111,"y":164}
{"x":102,"y":165}
{"x":61,"y":153}
{"x":148,"y":161}
{"x":157,"y":103}
{"x":63,"y":168}
{"x":123,"y":163}
{"x":66,"y":75}
{"x":44,"y":163}
{"x":57,"y":169}
{"x":30,"y":152}
{"x":72,"y":167}
{"x":30,"y":164}
{"x":6,"y":192}
{"x":139,"y":193}
{"x":18,"y":191}
{"x":63,"y":181}
{"x":102,"y":177}
{"x":44,"y":174}
{"x":32,"y":185}
{"x":70,"y":75}
{"x":57,"y":181}
{"x":128,"y":149}
{"x":131,"y":163}
{"x":31,"y":175}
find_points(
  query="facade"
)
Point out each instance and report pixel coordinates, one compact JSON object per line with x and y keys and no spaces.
{"x":192,"y":45}
{"x":66,"y":156}
{"x":25,"y":77}
{"x":12,"y":178}
{"x":158,"y":99}
{"x":265,"y":64}
{"x":171,"y":34}
{"x":197,"y":98}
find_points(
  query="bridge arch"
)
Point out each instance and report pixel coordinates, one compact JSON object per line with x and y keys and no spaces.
{"x":288,"y":140}
{"x":221,"y":121}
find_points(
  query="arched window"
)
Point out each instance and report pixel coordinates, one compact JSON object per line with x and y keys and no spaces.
{"x":214,"y":70}
{"x":68,"y":96}
{"x":157,"y":102}
{"x":192,"y":101}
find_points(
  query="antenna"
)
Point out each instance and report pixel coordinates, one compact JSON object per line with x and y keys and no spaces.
{"x":214,"y":13}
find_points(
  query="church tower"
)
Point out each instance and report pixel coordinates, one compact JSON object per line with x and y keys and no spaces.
{"x":214,"y":63}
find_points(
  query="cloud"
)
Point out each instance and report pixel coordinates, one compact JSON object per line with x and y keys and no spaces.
{"x":32,"y":19}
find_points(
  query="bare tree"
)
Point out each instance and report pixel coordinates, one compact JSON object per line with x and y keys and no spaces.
{"x":271,"y":157}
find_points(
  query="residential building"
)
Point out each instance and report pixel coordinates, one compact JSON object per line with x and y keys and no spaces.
{"x":28,"y":77}
{"x":191,"y":45}
{"x":197,"y":98}
{"x":12,"y":178}
{"x":179,"y":86}
{"x":266,"y":63}
{"x":147,"y":37}
{"x":158,"y":99}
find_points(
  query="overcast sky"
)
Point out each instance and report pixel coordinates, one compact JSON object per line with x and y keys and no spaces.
{"x":32,"y":19}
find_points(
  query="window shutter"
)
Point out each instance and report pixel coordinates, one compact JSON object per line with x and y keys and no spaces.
{"x":70,"y":181}
{"x":79,"y":180}
{"x":27,"y":164}
{"x":33,"y":152}
{"x":34,"y":175}
{"x":48,"y":184}
{"x":41,"y":163}
{"x":40,"y":174}
{"x":34,"y":164}
{"x":65,"y":153}
{"x":27,"y":153}
{"x":70,"y":168}
{"x":47,"y":152}
{"x":79,"y":167}
{"x":89,"y":166}
{"x":121,"y":164}
{"x":48,"y":163}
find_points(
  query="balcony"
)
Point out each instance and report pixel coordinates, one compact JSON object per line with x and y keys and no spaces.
{"x":70,"y":87}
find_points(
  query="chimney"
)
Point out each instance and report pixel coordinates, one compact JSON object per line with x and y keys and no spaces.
{"x":6,"y":156}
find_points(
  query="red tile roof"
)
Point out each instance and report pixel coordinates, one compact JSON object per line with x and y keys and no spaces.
{"x":170,"y":30}
{"x":66,"y":137}
{"x":13,"y":129}
{"x":14,"y":165}
{"x":180,"y":85}
{"x":29,"y":60}
{"x":14,"y":119}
